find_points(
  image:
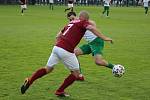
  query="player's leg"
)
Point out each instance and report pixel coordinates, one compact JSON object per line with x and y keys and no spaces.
{"x":82,"y":50}
{"x":52,"y":6}
{"x":107,"y":8}
{"x":97,"y":46}
{"x":67,"y":9}
{"x":102,"y":62}
{"x":104,"y":10}
{"x":78,"y":52}
{"x":71,"y":62}
{"x":146,"y":10}
{"x":71,"y":9}
{"x":22,"y":11}
{"x":70,"y":6}
{"x":53,"y":59}
{"x":69,"y":80}
{"x":38,"y":74}
{"x":22,"y":7}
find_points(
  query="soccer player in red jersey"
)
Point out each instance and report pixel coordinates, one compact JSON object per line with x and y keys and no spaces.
{"x":70,"y":5}
{"x":67,"y":39}
{"x":23,"y":5}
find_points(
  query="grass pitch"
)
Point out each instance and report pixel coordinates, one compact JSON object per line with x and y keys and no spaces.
{"x":26,"y":42}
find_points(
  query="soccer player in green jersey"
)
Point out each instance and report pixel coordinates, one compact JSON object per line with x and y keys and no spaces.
{"x":145,"y":3}
{"x":106,"y":7}
{"x":94,"y":46}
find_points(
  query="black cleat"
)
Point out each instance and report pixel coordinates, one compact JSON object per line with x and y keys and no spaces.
{"x":25,"y":86}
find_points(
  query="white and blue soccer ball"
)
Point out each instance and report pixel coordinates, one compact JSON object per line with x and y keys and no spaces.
{"x":118,"y":70}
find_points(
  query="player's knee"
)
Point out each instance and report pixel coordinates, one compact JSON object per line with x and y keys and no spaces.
{"x":49,"y":69}
{"x":76,"y":73}
{"x":77,"y":51}
{"x":98,"y":62}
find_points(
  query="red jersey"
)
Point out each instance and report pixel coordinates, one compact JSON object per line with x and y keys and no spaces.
{"x":71,"y":35}
{"x":70,"y":1}
{"x":23,"y":2}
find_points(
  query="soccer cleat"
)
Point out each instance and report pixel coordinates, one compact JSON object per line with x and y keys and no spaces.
{"x":61,"y":94}
{"x":80,"y":78}
{"x":25,"y":86}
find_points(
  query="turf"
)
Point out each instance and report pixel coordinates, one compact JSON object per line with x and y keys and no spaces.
{"x":26,"y":42}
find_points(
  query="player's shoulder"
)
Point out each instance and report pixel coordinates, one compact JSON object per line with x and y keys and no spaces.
{"x":84,"y":22}
{"x":79,"y":22}
{"x":92,"y":22}
{"x":75,"y":21}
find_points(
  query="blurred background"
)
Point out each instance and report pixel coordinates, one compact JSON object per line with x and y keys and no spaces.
{"x":116,"y":3}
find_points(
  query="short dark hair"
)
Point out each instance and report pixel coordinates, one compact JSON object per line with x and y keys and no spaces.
{"x":71,"y":13}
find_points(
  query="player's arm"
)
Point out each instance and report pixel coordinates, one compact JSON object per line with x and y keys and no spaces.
{"x":25,"y":1}
{"x":109,"y":2}
{"x":92,"y":23}
{"x":58,"y":34}
{"x":20,"y":2}
{"x":97,"y":33}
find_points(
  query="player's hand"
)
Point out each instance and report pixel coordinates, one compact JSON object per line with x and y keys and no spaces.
{"x":109,"y":40}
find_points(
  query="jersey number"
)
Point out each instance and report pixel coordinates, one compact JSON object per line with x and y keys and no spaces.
{"x":69,"y":26}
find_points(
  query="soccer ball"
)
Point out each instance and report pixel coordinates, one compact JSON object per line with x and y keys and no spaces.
{"x":118,"y":70}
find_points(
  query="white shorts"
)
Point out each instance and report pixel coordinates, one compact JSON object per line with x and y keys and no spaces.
{"x":69,"y":59}
{"x":70,"y":5}
{"x":24,"y":6}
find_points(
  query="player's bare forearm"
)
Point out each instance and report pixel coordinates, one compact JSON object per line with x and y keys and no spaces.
{"x":58,"y":34}
{"x":100,"y":35}
{"x":25,"y":1}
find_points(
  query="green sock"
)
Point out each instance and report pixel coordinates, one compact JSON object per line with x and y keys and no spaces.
{"x":107,"y":12}
{"x":110,"y":65}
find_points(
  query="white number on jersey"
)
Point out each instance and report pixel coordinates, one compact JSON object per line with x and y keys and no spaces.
{"x":69,"y":26}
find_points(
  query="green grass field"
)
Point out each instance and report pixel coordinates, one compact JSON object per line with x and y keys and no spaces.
{"x":26,"y":42}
